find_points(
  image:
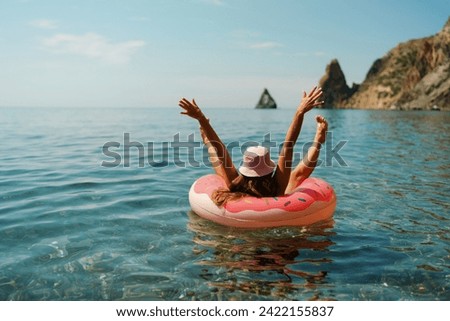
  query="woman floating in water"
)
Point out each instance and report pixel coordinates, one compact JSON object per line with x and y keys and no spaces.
{"x":259,"y":176}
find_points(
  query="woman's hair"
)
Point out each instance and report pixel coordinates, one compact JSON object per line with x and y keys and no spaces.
{"x":242,"y":186}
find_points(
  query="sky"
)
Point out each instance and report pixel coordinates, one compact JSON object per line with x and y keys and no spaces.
{"x":149,"y":53}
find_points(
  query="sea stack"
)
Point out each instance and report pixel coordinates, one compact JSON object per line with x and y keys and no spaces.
{"x":266,"y":101}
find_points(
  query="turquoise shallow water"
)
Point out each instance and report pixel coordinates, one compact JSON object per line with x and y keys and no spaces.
{"x":71,"y":229}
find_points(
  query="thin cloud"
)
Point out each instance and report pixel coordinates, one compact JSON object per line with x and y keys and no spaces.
{"x":253,"y":40}
{"x":94,"y":46}
{"x":265,"y":45}
{"x":214,"y":2}
{"x":44,"y":24}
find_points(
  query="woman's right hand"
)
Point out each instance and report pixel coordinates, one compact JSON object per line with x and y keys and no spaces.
{"x":309,"y":101}
{"x":191,"y":109}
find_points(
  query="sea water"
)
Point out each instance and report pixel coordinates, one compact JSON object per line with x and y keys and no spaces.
{"x":94,"y":206}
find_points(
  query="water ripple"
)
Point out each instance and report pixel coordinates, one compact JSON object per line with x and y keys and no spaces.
{"x":74,"y":230}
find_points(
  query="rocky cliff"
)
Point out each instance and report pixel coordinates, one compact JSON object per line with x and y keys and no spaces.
{"x":413,"y":75}
{"x":335,"y":89}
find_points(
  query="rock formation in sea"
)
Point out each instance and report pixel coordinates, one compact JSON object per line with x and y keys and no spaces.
{"x":335,"y":88}
{"x":266,"y":101}
{"x":413,"y":75}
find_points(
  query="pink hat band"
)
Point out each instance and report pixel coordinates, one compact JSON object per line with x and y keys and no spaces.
{"x":256,"y":162}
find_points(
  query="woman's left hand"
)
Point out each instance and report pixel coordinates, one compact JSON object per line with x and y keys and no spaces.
{"x":191,"y":109}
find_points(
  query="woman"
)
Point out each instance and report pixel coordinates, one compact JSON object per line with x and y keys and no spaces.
{"x":256,"y":176}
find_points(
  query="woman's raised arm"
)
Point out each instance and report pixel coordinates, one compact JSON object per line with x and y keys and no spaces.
{"x":226,"y":167}
{"x":284,"y":166}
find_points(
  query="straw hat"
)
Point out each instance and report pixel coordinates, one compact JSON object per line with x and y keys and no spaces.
{"x":256,"y":162}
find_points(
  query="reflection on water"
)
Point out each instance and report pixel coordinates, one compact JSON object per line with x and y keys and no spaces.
{"x":284,"y":263}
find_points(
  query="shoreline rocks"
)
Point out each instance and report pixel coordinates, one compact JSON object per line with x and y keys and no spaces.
{"x":415,"y":75}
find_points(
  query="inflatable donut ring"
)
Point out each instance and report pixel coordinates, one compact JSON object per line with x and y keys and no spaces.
{"x":314,"y":200}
